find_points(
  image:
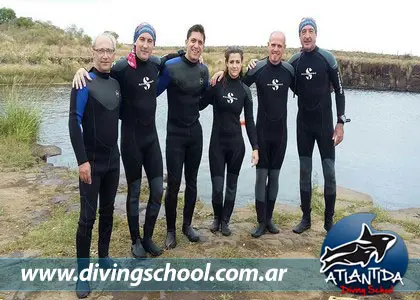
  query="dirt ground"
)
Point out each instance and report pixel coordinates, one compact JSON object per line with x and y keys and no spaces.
{"x":28,"y":198}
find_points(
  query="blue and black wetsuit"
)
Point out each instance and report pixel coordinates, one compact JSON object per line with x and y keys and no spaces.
{"x":272,"y":82}
{"x":139,"y":140}
{"x":315,"y":72}
{"x":93,"y":128}
{"x":227,"y":149}
{"x":185,"y":82}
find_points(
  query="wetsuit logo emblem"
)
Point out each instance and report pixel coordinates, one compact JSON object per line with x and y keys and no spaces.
{"x":361,"y":260}
{"x":230,"y":98}
{"x":117,"y":93}
{"x":308,"y":73}
{"x":146,"y":83}
{"x":359,"y":251}
{"x":275,"y":84}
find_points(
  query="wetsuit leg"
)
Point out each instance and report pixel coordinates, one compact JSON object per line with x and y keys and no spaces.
{"x":153,"y":167}
{"x":175,"y":155}
{"x":88,"y":205}
{"x":107,"y":192}
{"x":132,"y":158}
{"x":327,"y":152}
{"x":234,"y":159}
{"x":277,"y":151}
{"x":260,"y":201}
{"x":193,"y":155}
{"x":272,"y":191}
{"x":306,"y":143}
{"x":217,"y":172}
{"x":261,"y":183}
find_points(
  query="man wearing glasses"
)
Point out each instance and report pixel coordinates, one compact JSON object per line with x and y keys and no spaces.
{"x":93,"y":128}
{"x":138,"y":75}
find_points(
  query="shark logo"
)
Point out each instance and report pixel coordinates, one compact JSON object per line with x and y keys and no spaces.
{"x":360,"y":260}
{"x":146,"y":83}
{"x":359,"y":251}
{"x":275,"y":84}
{"x":308,"y":73}
{"x":230,"y":98}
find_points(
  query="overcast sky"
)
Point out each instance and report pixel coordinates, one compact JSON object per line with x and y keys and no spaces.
{"x":372,"y":26}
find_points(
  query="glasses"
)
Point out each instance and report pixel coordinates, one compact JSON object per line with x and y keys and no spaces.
{"x":102,"y":51}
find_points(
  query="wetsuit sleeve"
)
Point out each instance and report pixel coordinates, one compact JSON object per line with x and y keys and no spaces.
{"x":169,"y":56}
{"x":78,"y":100}
{"x":163,"y":80}
{"x":249,"y":120}
{"x":249,"y":78}
{"x":293,"y":61}
{"x":117,"y":71}
{"x":290,"y":69}
{"x":338,"y":89}
{"x":207,"y":98}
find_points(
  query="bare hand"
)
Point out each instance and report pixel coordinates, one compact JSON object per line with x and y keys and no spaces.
{"x":79,"y":81}
{"x":255,"y":158}
{"x":338,"y":134}
{"x":85,"y":173}
{"x":216,"y":77}
{"x":252,"y":64}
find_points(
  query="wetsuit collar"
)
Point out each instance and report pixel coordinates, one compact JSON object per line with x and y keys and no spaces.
{"x":273,"y":65}
{"x":187,"y":61}
{"x":139,"y":61}
{"x":100,"y":74}
{"x":232,"y":79}
{"x":312,"y":51}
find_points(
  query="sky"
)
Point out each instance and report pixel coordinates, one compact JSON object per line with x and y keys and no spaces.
{"x":358,"y":25}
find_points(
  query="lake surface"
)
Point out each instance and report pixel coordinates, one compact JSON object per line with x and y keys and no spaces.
{"x":379,"y":155}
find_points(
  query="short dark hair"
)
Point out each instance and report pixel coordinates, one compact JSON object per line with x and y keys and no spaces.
{"x":197,"y":28}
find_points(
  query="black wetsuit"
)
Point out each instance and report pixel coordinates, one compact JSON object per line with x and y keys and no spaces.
{"x":272,"y":82}
{"x":315,"y":72}
{"x":185,"y":83}
{"x":227,"y":149}
{"x":93,"y":127}
{"x":139,"y":140}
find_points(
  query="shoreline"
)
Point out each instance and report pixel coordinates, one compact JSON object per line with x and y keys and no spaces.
{"x":39,"y":210}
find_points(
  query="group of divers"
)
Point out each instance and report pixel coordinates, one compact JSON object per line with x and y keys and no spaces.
{"x":128,"y":90}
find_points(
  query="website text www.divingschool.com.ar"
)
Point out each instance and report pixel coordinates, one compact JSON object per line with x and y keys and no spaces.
{"x":135,"y":277}
{"x":170,"y":274}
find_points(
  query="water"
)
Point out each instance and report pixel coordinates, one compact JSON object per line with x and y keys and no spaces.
{"x":378,"y":155}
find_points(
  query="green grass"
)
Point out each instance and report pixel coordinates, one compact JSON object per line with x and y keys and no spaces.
{"x":20,"y":122}
{"x":411,"y":227}
{"x":382,"y":215}
{"x":19,"y":119}
{"x":225,"y":297}
{"x":56,"y":236}
{"x":15,"y":155}
{"x":284,"y":218}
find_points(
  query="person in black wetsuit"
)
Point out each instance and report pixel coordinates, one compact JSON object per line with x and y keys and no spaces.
{"x":138,"y":75}
{"x":93,"y":129}
{"x":316,"y":69}
{"x":185,"y":80}
{"x":227,"y":149}
{"x":272,"y":77}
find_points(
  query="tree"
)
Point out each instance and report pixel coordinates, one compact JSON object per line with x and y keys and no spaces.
{"x":113,"y":33}
{"x":24,"y":22}
{"x":7,"y":15}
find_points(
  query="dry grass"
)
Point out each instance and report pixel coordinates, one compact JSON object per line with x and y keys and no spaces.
{"x":36,"y":62}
